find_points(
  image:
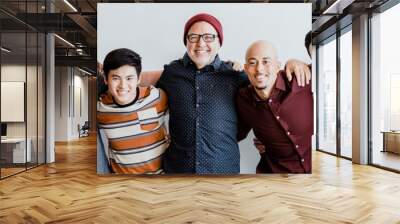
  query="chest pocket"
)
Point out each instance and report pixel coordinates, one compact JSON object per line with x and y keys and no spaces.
{"x":148,"y":119}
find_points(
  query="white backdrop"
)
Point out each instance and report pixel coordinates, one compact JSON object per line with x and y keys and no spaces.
{"x":155,"y":31}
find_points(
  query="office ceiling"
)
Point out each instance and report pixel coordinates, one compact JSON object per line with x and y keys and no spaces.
{"x":76,"y":22}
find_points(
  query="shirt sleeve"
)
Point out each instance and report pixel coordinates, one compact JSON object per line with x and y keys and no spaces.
{"x":242,"y":79}
{"x":160,"y":82}
{"x":243,"y":127}
{"x":296,"y":88}
{"x":243,"y":130}
{"x":307,"y":90}
{"x":102,"y":161}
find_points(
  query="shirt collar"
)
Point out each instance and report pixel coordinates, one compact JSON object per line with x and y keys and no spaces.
{"x":280,"y":82}
{"x":280,"y":85}
{"x":216,"y":64}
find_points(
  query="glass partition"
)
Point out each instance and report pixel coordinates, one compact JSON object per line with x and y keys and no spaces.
{"x":13,"y":96}
{"x":22,"y":64}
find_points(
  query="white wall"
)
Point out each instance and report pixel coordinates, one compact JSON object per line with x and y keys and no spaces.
{"x":61,"y":103}
{"x":79,"y":117}
{"x":16,"y":73}
{"x":69,"y":81}
{"x":155,"y":31}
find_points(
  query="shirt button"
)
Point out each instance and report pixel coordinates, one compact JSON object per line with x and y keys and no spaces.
{"x":288,"y":133}
{"x":277,"y":117}
{"x":297,"y":146}
{"x":197,"y":105}
{"x":197,"y":163}
{"x":197,"y":123}
{"x":270,"y":100}
{"x":302,"y":160}
{"x":197,"y":87}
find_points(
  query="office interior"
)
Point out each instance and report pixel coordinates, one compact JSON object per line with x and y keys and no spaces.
{"x":48,"y":80}
{"x":44,"y":97}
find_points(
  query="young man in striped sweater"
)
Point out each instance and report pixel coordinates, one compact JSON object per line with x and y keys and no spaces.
{"x":131,"y":117}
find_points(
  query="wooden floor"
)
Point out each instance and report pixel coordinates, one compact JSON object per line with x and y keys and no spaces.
{"x":70,"y":191}
{"x":10,"y":171}
{"x":387,"y":159}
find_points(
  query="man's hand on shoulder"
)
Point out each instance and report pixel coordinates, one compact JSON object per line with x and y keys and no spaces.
{"x":300,"y":70}
{"x":237,"y":66}
{"x":259,"y":145}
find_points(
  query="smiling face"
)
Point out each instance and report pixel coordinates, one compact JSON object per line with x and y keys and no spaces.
{"x":261,"y":65}
{"x":201,"y":52}
{"x":122,"y":83}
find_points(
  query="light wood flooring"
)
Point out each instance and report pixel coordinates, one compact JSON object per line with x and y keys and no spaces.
{"x":387,"y":159}
{"x":70,"y":191}
{"x":10,"y":171}
{"x":5,"y":172}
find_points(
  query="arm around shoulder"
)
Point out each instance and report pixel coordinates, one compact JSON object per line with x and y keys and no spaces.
{"x":243,"y":127}
{"x":149,"y":78}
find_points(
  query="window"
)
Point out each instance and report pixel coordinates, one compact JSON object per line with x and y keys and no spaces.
{"x":346,"y":94}
{"x":327,"y":97}
{"x":385,"y":89}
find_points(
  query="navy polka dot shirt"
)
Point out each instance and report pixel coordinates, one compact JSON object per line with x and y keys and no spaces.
{"x":202,"y":117}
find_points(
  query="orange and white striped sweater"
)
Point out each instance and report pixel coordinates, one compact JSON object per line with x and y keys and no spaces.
{"x":137,"y":136}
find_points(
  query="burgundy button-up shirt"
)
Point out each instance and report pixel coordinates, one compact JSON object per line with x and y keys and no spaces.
{"x":283,"y":123}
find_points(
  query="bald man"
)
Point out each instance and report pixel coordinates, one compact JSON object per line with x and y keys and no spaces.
{"x":272,"y":106}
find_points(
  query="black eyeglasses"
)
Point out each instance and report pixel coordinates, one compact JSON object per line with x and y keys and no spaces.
{"x":207,"y":37}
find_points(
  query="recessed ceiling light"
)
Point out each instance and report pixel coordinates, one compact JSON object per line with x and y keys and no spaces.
{"x":337,"y":7}
{"x":64,"y":40}
{"x":70,"y":5}
{"x":5,"y":50}
{"x":84,"y":71}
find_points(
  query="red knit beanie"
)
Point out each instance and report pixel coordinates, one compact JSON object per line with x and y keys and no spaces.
{"x":206,"y":18}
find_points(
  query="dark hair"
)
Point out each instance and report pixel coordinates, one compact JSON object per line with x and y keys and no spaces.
{"x":307,"y":42}
{"x":120,"y":57}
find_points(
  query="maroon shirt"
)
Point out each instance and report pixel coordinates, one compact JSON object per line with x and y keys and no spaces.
{"x":283,"y":123}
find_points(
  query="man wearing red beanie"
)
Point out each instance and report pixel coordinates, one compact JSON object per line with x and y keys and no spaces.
{"x":201,"y":93}
{"x":206,"y":18}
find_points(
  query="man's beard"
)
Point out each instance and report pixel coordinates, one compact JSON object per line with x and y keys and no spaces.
{"x":262,"y":87}
{"x":266,"y":85}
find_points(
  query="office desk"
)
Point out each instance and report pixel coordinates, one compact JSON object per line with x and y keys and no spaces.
{"x":16,"y":147}
{"x":391,"y":141}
